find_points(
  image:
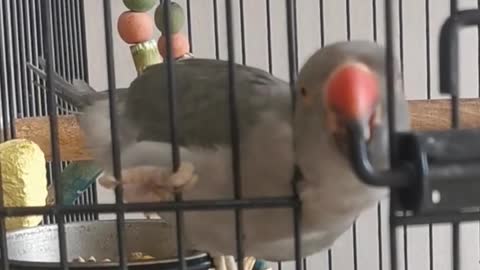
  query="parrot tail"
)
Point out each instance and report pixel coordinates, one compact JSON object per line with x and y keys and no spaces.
{"x":79,"y":94}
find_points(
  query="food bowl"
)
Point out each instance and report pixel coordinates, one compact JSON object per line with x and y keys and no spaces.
{"x":37,"y":247}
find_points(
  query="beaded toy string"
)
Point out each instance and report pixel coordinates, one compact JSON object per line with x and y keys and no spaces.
{"x":136,"y":27}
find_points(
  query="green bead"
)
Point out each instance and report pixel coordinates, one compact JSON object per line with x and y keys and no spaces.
{"x":140,"y":5}
{"x":177,"y":18}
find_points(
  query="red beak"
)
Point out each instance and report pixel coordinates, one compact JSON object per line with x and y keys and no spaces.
{"x":353,"y":92}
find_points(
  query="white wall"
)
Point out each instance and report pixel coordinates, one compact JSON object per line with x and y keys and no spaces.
{"x":415,"y":66}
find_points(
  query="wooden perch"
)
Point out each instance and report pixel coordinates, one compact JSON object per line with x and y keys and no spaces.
{"x":426,"y":115}
{"x":429,"y":115}
{"x":71,"y":138}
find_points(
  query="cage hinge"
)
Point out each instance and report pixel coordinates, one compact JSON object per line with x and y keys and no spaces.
{"x":433,"y":172}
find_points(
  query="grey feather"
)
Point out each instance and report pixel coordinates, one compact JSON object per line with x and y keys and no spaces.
{"x":79,"y":93}
{"x":202,"y":99}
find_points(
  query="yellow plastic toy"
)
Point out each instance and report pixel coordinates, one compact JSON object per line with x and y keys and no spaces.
{"x":24,"y":177}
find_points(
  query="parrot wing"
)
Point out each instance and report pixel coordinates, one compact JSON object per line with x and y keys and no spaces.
{"x":202,"y":97}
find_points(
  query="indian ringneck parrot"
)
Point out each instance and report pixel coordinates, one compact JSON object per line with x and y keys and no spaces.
{"x":339,"y":84}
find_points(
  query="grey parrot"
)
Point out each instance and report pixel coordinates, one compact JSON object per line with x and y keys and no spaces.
{"x":340,"y":83}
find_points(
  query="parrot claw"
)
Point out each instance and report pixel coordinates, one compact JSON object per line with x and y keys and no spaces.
{"x":107,"y":182}
{"x":149,"y":215}
{"x":152,"y":183}
{"x":50,"y":200}
{"x":184,"y":178}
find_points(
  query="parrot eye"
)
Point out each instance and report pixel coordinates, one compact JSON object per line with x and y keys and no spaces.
{"x":303,"y":91}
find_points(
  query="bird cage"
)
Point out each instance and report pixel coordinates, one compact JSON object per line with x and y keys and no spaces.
{"x":428,"y":221}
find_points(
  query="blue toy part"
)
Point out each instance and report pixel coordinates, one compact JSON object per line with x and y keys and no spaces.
{"x":260,"y":265}
{"x":76,"y":178}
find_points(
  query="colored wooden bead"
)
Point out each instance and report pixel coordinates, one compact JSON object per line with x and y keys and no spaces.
{"x":145,"y":54}
{"x":180,"y":45}
{"x":177,"y":18}
{"x":139,"y":5}
{"x":135,"y":27}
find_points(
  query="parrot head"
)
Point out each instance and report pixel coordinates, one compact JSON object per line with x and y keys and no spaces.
{"x":344,"y":84}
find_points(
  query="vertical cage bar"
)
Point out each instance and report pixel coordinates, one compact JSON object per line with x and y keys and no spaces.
{"x":347,"y":13}
{"x":402,"y":66}
{"x":379,"y":205}
{"x":295,"y":36}
{"x":74,"y":32}
{"x":173,"y":122}
{"x":57,"y":67}
{"x":454,"y":95}
{"x":234,"y":131}
{"x":82,"y":63}
{"x":429,"y":96}
{"x":393,"y":238}
{"x":28,"y":57}
{"x":43,"y":94}
{"x":52,"y":113}
{"x":292,"y":49}
{"x":120,"y":220}
{"x":215,"y":29}
{"x":269,"y":36}
{"x":330,"y":259}
{"x":430,"y":245}
{"x":478,"y":57}
{"x":189,"y":24}
{"x":61,"y":39}
{"x":428,"y":49}
{"x":36,"y":53}
{"x":3,"y":78}
{"x":15,"y":58}
{"x":292,"y":69}
{"x":322,"y":24}
{"x":400,"y":34}
{"x":405,"y":246}
{"x":69,"y":45}
{"x":478,"y":77}
{"x":354,"y":227}
{"x":72,"y":49}
{"x":390,"y":72}
{"x":242,"y":31}
{"x":10,"y":79}
{"x":455,"y":125}
{"x":20,"y":90}
{"x":84,"y":56}
{"x":3,"y":235}
{"x":380,"y":236}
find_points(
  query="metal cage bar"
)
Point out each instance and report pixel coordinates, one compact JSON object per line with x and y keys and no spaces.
{"x":234,"y":127}
{"x":292,"y":75}
{"x":173,"y":124}
{"x":52,"y":113}
{"x":11,"y":103}
{"x":455,"y":124}
{"x":117,"y":171}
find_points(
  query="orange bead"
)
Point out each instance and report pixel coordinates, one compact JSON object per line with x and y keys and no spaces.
{"x":135,"y":27}
{"x":180,"y":45}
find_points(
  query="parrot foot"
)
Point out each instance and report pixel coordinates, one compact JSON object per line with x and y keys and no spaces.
{"x":150,"y":215}
{"x":184,"y":178}
{"x":152,"y":183}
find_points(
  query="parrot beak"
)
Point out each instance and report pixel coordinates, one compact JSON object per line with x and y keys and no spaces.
{"x":352,"y":97}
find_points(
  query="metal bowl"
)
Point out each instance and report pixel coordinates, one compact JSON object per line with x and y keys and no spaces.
{"x":37,"y":248}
